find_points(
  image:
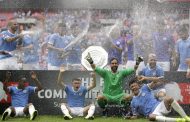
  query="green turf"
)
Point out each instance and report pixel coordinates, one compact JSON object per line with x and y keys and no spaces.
{"x":47,"y":118}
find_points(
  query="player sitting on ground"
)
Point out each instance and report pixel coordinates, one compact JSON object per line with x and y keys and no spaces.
{"x":145,"y":104}
{"x":76,"y":97}
{"x":113,"y":80}
{"x":19,"y":98}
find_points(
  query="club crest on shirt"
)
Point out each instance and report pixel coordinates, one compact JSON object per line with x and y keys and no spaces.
{"x":143,"y":94}
{"x":80,"y":94}
{"x":24,"y":91}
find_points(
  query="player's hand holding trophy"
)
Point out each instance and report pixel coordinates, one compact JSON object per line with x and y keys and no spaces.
{"x":89,"y":58}
{"x":139,"y":59}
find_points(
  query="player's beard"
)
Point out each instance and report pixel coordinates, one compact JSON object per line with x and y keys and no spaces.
{"x":114,"y":68}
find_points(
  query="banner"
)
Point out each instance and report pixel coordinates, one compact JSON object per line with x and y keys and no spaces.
{"x":47,"y":101}
{"x":185,"y":92}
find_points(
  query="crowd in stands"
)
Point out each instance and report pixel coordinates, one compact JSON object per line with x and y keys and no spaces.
{"x":131,"y":36}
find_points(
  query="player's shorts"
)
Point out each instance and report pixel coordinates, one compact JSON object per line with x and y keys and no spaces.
{"x":77,"y":111}
{"x":161,"y":110}
{"x":19,"y":111}
{"x":114,"y":99}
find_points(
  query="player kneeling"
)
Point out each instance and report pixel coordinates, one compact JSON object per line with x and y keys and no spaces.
{"x":19,"y":98}
{"x":76,"y":98}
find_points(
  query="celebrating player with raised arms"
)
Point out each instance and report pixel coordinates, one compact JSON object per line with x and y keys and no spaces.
{"x":19,"y":98}
{"x":76,"y":97}
{"x":113,"y":81}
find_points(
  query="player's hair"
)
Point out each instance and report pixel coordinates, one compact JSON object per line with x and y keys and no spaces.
{"x":152,"y":55}
{"x":22,"y":78}
{"x":113,"y":58}
{"x":76,"y":79}
{"x":134,"y":80}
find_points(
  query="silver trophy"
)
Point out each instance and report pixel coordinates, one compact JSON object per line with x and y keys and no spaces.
{"x":99,"y":57}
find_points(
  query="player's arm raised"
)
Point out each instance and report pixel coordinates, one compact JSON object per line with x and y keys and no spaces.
{"x":93,"y":83}
{"x":7,"y":79}
{"x":89,"y":59}
{"x":37,"y":82}
{"x":5,"y":87}
{"x":60,"y":80}
{"x":138,"y":61}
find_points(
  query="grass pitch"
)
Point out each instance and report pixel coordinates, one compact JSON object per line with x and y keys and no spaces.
{"x":59,"y":118}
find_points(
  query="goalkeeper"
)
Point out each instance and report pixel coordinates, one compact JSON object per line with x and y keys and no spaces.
{"x":112,"y":89}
